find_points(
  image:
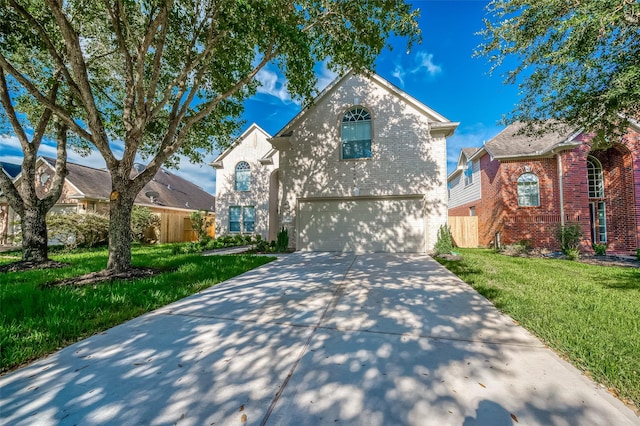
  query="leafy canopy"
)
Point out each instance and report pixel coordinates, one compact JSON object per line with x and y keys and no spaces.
{"x":578,"y":62}
{"x":168,"y":77}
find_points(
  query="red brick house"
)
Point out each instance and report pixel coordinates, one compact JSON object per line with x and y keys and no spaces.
{"x":524,"y":188}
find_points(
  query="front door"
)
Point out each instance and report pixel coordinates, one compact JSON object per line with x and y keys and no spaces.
{"x":598,"y":218}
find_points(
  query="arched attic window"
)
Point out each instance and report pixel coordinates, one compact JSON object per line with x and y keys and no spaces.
{"x":243,"y":176}
{"x":528,"y":190}
{"x":595,"y":178}
{"x":356,"y":134}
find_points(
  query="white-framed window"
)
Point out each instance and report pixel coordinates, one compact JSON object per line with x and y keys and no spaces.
{"x":243,"y":176}
{"x":472,"y":211}
{"x":468,"y":174}
{"x":242,"y":219}
{"x":528,"y":190}
{"x":356,"y":134}
{"x":595,"y":178}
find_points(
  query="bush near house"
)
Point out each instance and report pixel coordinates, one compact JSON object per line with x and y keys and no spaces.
{"x":444,"y":243}
{"x":78,"y":230}
{"x":589,"y":314}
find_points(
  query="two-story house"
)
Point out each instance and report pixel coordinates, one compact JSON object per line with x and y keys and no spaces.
{"x":525,"y":187}
{"x":361,"y":169}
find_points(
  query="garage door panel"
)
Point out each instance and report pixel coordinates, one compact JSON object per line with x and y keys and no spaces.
{"x":361,"y":225}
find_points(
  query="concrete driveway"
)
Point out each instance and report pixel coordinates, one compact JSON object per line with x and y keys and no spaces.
{"x":314,"y":339}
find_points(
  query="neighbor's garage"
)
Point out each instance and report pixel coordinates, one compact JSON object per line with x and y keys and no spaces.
{"x":362,"y":225}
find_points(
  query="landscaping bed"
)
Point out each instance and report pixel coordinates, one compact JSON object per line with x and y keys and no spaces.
{"x":589,"y":314}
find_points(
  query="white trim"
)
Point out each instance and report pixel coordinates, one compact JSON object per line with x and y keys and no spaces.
{"x":217,"y":163}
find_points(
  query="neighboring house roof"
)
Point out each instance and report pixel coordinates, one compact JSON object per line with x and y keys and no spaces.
{"x":217,"y":163}
{"x":164,"y":190}
{"x":438,"y":120}
{"x":468,"y":152}
{"x":512,"y":142}
{"x":10,"y":169}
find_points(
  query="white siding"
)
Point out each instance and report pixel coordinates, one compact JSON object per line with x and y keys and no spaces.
{"x":460,"y":193}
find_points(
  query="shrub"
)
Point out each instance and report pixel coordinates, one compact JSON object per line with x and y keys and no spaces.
{"x":261,"y":245}
{"x":444,"y":243}
{"x":144,"y":225}
{"x":638,"y":254}
{"x":569,"y":236}
{"x":600,"y":249}
{"x":282,"y":240}
{"x":573,"y":254}
{"x":201,"y":222}
{"x":75,"y":229}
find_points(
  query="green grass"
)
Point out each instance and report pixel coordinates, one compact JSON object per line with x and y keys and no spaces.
{"x":36,"y":321}
{"x":588,"y":314}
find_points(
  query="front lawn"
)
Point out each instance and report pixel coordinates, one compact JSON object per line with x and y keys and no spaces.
{"x":588,"y":314}
{"x":35,"y":321}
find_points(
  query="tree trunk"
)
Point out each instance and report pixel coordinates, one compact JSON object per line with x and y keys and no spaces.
{"x":34,"y":235}
{"x":120,"y":232}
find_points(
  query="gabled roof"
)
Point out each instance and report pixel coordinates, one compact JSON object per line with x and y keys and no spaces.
{"x":468,"y":152}
{"x":438,"y":119}
{"x":217,"y":163}
{"x":164,"y":190}
{"x":512,"y":143}
{"x":10,"y":169}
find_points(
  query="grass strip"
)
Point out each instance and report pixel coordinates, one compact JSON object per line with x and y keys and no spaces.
{"x":589,"y":314}
{"x":36,"y":321}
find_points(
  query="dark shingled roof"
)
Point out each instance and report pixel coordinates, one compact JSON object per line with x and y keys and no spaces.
{"x":468,"y":152}
{"x":11,"y":169}
{"x":509,"y":143}
{"x":173,"y":191}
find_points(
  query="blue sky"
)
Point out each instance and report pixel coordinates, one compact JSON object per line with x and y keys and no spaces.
{"x":440,"y":72}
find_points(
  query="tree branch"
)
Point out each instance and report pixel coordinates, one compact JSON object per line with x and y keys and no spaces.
{"x":11,"y":112}
{"x":33,"y":91}
{"x":94,"y":120}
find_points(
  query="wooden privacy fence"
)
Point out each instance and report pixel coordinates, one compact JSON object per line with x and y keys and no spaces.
{"x":177,"y":227}
{"x":464,"y":230}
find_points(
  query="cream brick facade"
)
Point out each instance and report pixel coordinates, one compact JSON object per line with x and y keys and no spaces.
{"x":401,"y":187}
{"x":408,"y":152}
{"x":254,"y":148}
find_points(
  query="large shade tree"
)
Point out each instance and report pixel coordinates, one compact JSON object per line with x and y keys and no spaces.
{"x":31,"y":122}
{"x":576,"y":62}
{"x":157,"y":78}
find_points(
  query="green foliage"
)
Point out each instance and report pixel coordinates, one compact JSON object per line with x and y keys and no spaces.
{"x":569,"y":236}
{"x":78,"y":230}
{"x":201,"y":222}
{"x":600,"y":249}
{"x":282,"y":240}
{"x":145,"y":225}
{"x":572,"y":253}
{"x":35,"y":321}
{"x":444,"y":243}
{"x":170,"y":78}
{"x":638,"y":254}
{"x":584,"y":312}
{"x":577,"y":62}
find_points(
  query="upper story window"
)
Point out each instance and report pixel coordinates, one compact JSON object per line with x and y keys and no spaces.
{"x":468,"y":173}
{"x":356,"y":134}
{"x":595,"y":178}
{"x":243,"y":176}
{"x":528,"y":190}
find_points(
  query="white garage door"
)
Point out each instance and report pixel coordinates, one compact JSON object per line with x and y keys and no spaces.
{"x":362,"y":225}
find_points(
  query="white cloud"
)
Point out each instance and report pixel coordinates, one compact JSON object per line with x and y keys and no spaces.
{"x":399,"y":73}
{"x":273,"y":84}
{"x":424,"y":61}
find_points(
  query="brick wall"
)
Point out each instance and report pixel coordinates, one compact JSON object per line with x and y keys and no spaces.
{"x":498,"y":210}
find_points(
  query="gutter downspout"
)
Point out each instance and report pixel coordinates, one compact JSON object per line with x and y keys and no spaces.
{"x":561,"y":187}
